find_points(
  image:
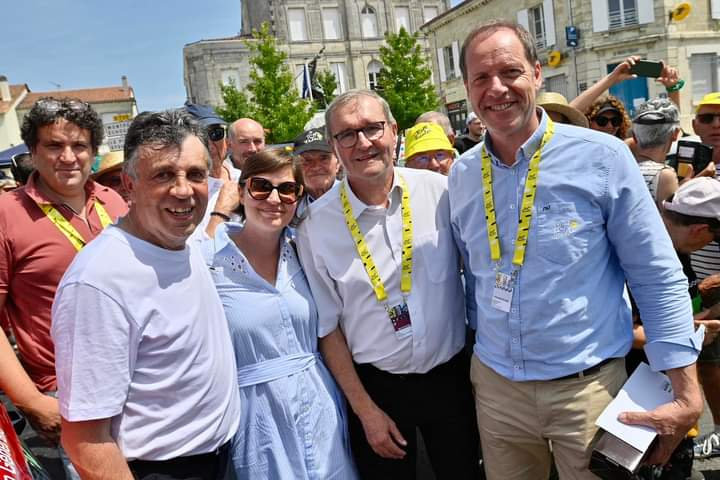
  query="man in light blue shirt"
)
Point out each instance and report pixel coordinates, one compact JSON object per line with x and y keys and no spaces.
{"x":551,"y":318}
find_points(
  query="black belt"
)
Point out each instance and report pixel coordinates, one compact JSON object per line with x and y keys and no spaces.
{"x":587,"y":371}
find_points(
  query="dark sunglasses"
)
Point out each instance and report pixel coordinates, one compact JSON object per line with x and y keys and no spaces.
{"x":707,"y":118}
{"x":260,"y":189}
{"x":52,"y":105}
{"x":216,"y":133}
{"x":602,"y":121}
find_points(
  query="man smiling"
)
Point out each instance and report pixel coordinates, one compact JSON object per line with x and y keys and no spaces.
{"x":562,"y":220}
{"x":146,"y":371}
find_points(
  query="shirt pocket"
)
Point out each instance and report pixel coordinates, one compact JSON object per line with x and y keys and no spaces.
{"x":565,"y":232}
{"x":439,"y":256}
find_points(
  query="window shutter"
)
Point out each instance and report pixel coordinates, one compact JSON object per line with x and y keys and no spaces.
{"x":522,"y":19}
{"x":646,"y":11}
{"x":549,"y":23}
{"x":456,"y":59}
{"x":600,"y":15}
{"x":441,"y":64}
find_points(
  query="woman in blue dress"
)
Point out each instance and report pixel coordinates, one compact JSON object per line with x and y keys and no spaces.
{"x":293,"y":424}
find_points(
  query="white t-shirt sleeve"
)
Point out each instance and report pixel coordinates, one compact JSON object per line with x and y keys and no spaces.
{"x":95,"y":350}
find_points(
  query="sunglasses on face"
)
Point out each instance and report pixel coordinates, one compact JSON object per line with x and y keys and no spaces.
{"x":260,"y":189}
{"x":707,"y":118}
{"x":216,"y":133}
{"x":348,"y":138}
{"x":603,"y":121}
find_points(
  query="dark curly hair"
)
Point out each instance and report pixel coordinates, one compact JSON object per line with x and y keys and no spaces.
{"x":48,"y":109}
{"x":592,"y":111}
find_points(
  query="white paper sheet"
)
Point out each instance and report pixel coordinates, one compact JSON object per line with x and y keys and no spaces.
{"x":645,"y":390}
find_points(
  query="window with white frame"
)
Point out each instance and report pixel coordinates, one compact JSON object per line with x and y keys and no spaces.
{"x":229,"y":77}
{"x":368,"y":22}
{"x":449,"y":62}
{"x":402,"y":19}
{"x":429,"y":13}
{"x":338,"y":69}
{"x":297,"y":25}
{"x":622,"y":13}
{"x":374,"y":68}
{"x":704,"y":72}
{"x":331,"y":23}
{"x":536,"y":22}
{"x":448,"y":59}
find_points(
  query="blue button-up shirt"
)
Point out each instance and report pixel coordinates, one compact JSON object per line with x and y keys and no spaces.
{"x":594,"y":226}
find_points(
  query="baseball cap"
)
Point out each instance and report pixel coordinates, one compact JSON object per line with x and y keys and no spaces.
{"x":699,"y":197}
{"x":204,"y":114}
{"x":709,"y":99}
{"x":657,"y":111}
{"x":425,"y":137}
{"x":470,"y":118}
{"x":313,"y":139}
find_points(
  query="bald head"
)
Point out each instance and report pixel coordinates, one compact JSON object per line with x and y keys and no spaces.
{"x":245,"y":137}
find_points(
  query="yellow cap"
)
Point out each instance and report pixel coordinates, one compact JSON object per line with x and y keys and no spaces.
{"x":425,"y":137}
{"x":709,"y":99}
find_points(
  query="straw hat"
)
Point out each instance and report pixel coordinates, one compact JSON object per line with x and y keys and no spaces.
{"x":554,"y":102}
{"x":108,"y":162}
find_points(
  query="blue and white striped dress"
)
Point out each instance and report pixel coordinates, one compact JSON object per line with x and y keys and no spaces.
{"x":293,"y":423}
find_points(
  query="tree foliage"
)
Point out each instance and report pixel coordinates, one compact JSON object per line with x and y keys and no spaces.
{"x":271,"y":97}
{"x":327,"y":82}
{"x":405,"y":78}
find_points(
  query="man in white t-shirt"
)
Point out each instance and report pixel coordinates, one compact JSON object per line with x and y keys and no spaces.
{"x":146,"y":374}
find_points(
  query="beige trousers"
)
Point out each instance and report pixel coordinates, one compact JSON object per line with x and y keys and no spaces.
{"x":520,"y":422}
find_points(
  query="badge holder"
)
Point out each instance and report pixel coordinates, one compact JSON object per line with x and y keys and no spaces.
{"x":503,"y":290}
{"x":400,"y":319}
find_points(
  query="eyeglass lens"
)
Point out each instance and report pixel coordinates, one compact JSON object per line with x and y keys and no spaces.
{"x":707,"y":118}
{"x":261,"y":188}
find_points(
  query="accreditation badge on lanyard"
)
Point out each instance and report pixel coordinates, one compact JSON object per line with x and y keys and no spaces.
{"x":399,"y":314}
{"x":505,"y":283}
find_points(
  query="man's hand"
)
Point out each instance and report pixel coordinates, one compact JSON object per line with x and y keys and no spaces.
{"x":708,"y":171}
{"x":228,"y":198}
{"x":669,"y":76}
{"x":382,"y":434}
{"x":672,"y":421}
{"x":622,"y":71}
{"x":44,"y":416}
{"x":712,"y":326}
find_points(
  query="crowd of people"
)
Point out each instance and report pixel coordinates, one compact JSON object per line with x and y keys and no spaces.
{"x":205,"y":306}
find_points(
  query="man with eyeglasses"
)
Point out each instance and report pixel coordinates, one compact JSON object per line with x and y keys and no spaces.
{"x":319,"y":164}
{"x":146,"y":371}
{"x":42,"y":227}
{"x":427,"y":147}
{"x":385,"y":274}
{"x":245,"y":137}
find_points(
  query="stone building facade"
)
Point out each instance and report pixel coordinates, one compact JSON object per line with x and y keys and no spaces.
{"x":609,"y":32}
{"x":349,"y":32}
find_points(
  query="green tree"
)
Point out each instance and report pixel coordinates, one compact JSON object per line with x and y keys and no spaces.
{"x":271,"y":97}
{"x":405,"y":78}
{"x":327,"y":82}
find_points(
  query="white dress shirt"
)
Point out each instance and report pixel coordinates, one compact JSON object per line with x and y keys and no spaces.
{"x":344,"y":294}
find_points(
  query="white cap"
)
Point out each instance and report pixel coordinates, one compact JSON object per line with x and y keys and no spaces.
{"x":700,"y":197}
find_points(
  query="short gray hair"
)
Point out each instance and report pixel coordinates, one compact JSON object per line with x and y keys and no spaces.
{"x":652,"y":134}
{"x":160,"y":130}
{"x":439,"y":118}
{"x":352,"y":96}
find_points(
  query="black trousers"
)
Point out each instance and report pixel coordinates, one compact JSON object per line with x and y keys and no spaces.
{"x":440,"y":404}
{"x":207,"y":466}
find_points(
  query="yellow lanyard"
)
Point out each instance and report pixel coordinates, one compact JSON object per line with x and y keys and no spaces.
{"x":364,"y":251}
{"x":66,"y":227}
{"x":527,"y":204}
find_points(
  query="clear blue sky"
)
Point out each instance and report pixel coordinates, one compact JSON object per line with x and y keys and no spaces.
{"x":92,"y":43}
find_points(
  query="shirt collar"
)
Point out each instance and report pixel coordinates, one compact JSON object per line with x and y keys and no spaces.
{"x":358,"y":206}
{"x":527,"y":150}
{"x":91,"y":190}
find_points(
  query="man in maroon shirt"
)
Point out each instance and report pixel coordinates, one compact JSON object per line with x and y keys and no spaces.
{"x":42,"y":226}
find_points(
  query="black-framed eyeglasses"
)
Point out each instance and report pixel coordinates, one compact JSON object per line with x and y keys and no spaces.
{"x":348,"y":138}
{"x":216,"y":133}
{"x":602,"y":121}
{"x":260,"y":189}
{"x":707,"y":118}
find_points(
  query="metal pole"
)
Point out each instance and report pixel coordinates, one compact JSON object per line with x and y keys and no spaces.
{"x":574,"y":52}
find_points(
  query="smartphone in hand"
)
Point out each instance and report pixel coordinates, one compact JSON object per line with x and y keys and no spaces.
{"x":647,"y":68}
